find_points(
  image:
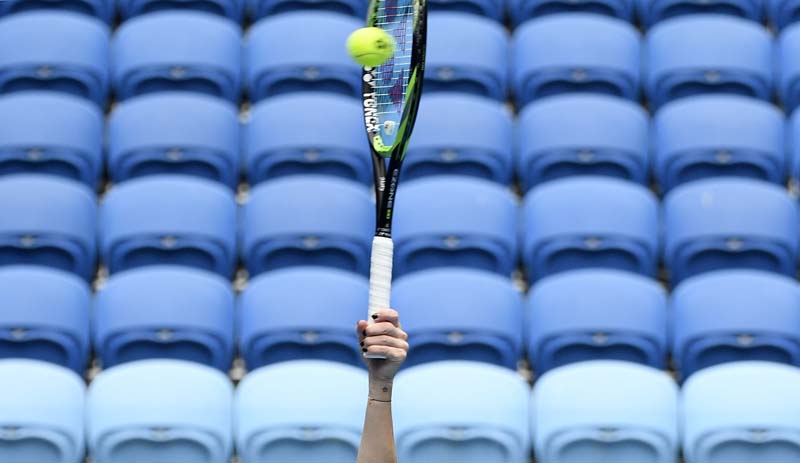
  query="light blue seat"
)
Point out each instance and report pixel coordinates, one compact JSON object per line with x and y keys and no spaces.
{"x":735,"y":315}
{"x":718,"y":135}
{"x":605,"y":410}
{"x":42,"y":418}
{"x":177,"y":50}
{"x":782,"y":13}
{"x":463,"y":135}
{"x":160,"y":411}
{"x":305,"y":411}
{"x":586,"y":222}
{"x":232,"y":9}
{"x":468,"y":412}
{"x":699,"y":54}
{"x":724,"y":223}
{"x":261,"y":8}
{"x":466,"y":54}
{"x":596,"y":314}
{"x":454,"y":221}
{"x":653,"y":11}
{"x":576,"y":52}
{"x":316,"y":60}
{"x":523,"y":10}
{"x":460,"y":314}
{"x":764,"y":424}
{"x":55,"y":50}
{"x":102,"y":9}
{"x":51,"y":133}
{"x":165,"y":312}
{"x":169,"y":219}
{"x":583,"y":134}
{"x":788,"y":75}
{"x":492,"y":9}
{"x":301,"y":313}
{"x":53,"y":223}
{"x":44,"y":315}
{"x":174,"y":133}
{"x":307,"y":133}
{"x":308,"y":220}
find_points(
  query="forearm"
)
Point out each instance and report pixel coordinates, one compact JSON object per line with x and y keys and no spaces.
{"x":377,"y":440}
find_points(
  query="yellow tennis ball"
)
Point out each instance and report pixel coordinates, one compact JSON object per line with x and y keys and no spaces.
{"x":370,"y":46}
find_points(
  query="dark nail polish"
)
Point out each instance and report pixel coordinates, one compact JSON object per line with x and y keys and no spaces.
{"x":362,"y":344}
{"x":363,"y":350}
{"x":364,"y":332}
{"x":374,"y":316}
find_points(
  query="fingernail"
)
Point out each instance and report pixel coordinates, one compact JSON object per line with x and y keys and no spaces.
{"x":364,"y":332}
{"x":374,"y":316}
{"x":363,"y":350}
{"x":362,"y":344}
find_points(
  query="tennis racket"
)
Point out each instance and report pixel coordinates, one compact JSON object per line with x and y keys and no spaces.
{"x":391,"y":94}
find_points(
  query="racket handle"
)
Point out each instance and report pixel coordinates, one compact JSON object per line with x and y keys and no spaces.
{"x":380,"y":278}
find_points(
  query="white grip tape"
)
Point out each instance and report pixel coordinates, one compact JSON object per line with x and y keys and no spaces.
{"x":380,"y":275}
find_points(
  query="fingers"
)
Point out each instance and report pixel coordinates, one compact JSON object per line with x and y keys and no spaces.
{"x":386,"y":329}
{"x":391,"y":354}
{"x":387,"y":315}
{"x":382,"y":340}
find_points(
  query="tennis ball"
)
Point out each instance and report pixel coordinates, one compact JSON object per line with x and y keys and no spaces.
{"x":370,"y":46}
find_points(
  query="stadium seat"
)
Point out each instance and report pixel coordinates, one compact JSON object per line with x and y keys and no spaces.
{"x":317,"y":59}
{"x":174,"y":133}
{"x":523,"y":10}
{"x":493,"y":9}
{"x":169,"y":219}
{"x":51,"y":133}
{"x":653,"y":11}
{"x":55,"y":50}
{"x":788,"y":75}
{"x":232,"y":9}
{"x":301,"y":313}
{"x":723,"y":223}
{"x":307,"y":411}
{"x":160,"y":411}
{"x":460,"y":314}
{"x":102,"y":9}
{"x":284,"y":137}
{"x":165,"y":312}
{"x":793,"y":144}
{"x":308,"y":220}
{"x":466,"y":54}
{"x":576,"y":52}
{"x":462,"y":135}
{"x":452,"y":221}
{"x":262,"y":8}
{"x":718,"y":135}
{"x":596,"y":314}
{"x":742,"y":412}
{"x":782,"y":13}
{"x":605,"y":410}
{"x":700,"y":54}
{"x":177,"y":50}
{"x":735,"y":315}
{"x":586,"y":222}
{"x":42,"y":418}
{"x":570,"y":135}
{"x":44,"y":315}
{"x":53,"y":223}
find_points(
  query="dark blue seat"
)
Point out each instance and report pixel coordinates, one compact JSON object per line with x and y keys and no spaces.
{"x":261,"y":8}
{"x":523,"y":10}
{"x":788,"y":75}
{"x":51,"y":133}
{"x":782,"y":13}
{"x":653,"y":11}
{"x":232,"y":9}
{"x":492,"y":9}
{"x":174,"y":133}
{"x":102,"y":9}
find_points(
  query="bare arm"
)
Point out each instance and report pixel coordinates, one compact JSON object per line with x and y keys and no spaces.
{"x":385,"y":337}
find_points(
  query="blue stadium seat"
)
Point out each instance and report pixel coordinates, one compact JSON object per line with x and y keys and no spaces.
{"x":583,"y":134}
{"x":285,"y":136}
{"x":793,"y":144}
{"x":523,"y":10}
{"x":576,"y":52}
{"x":160,"y":410}
{"x":493,"y":9}
{"x":174,"y":133}
{"x":742,"y":412}
{"x":42,"y":418}
{"x":308,"y":220}
{"x":261,"y":8}
{"x":718,"y":135}
{"x":734,"y":315}
{"x":307,"y":411}
{"x":463,"y":135}
{"x":232,"y":9}
{"x":729,"y":223}
{"x":460,"y":314}
{"x":51,"y":133}
{"x":169,"y":219}
{"x":53,"y":223}
{"x":316,"y":60}
{"x":466,"y":54}
{"x":177,"y":50}
{"x":586,"y":222}
{"x":103,"y":9}
{"x":55,"y":50}
{"x":700,"y":54}
{"x":782,"y":13}
{"x":605,"y":410}
{"x":301,"y":313}
{"x":480,"y":412}
{"x":788,"y":75}
{"x":165,"y":312}
{"x":653,"y":11}
{"x":452,"y":221}
{"x":44,"y":315}
{"x":596,"y":314}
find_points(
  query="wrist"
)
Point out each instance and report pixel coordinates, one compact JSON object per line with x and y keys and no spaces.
{"x":380,"y":390}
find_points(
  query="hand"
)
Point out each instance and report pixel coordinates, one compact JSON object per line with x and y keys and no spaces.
{"x":383,"y":337}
